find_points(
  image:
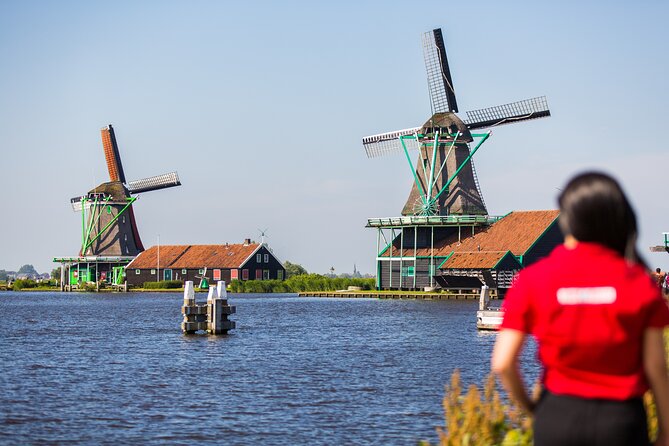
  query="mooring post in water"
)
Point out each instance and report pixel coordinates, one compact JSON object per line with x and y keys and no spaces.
{"x":212,"y":316}
{"x":189,"y":294}
{"x":484,"y":298}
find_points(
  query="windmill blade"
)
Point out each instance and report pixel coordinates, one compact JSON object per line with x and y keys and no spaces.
{"x":112,"y":156}
{"x":508,"y":114}
{"x":387,"y":143}
{"x":439,"y":81}
{"x":154,"y":183}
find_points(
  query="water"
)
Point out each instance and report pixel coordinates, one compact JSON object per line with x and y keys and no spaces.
{"x":115,"y":369}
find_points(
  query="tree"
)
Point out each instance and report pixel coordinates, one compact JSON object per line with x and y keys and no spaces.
{"x":55,"y":273}
{"x":3,"y":274}
{"x":293,"y":269}
{"x":28,"y":270}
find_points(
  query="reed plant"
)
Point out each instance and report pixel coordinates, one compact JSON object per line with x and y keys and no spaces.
{"x":482,"y":419}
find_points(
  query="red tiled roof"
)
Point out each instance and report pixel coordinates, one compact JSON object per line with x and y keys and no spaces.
{"x":516,"y":232}
{"x":474,"y":260}
{"x":194,"y":256}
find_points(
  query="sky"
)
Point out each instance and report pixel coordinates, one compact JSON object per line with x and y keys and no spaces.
{"x":261,"y":107}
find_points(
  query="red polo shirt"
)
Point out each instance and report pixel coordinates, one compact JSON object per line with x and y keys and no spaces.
{"x":588,"y":309}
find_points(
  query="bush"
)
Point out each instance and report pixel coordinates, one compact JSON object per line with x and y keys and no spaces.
{"x":163,"y":285}
{"x":302,"y":282}
{"x":20,"y":284}
{"x":89,"y":287}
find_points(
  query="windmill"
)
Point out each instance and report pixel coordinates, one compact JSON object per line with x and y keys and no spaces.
{"x":445,"y":181}
{"x":204,"y":282}
{"x":108,"y":221}
{"x":263,"y":234}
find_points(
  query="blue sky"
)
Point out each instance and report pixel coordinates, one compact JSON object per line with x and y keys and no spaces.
{"x":261,"y":107}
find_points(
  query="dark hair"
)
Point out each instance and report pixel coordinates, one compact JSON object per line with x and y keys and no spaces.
{"x":594,"y":208}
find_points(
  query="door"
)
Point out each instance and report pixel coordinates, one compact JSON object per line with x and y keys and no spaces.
{"x":167,"y":274}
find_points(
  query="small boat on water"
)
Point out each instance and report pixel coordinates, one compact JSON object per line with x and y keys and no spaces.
{"x":488,"y":318}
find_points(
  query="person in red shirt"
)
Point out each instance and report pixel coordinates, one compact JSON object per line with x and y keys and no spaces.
{"x":600,"y":336}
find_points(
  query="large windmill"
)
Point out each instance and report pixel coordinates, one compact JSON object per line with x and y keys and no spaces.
{"x":109,"y":235}
{"x":445,"y":181}
{"x":445,"y":202}
{"x":108,"y":221}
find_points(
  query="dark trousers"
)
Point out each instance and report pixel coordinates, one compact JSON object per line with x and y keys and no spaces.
{"x":571,"y":421}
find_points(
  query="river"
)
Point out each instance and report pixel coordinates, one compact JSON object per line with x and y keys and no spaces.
{"x":115,"y":369}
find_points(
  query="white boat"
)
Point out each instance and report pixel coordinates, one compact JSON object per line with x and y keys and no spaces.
{"x":488,"y":318}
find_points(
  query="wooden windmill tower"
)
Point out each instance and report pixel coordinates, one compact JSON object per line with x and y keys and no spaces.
{"x":108,"y":221}
{"x":445,"y":181}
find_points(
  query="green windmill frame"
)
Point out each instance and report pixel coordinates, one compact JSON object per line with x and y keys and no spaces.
{"x":98,"y":206}
{"x":429,"y":201}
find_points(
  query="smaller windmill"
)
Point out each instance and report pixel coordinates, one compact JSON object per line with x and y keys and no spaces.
{"x":263,"y":234}
{"x":204,"y":282}
{"x":108,"y":221}
{"x":445,"y":180}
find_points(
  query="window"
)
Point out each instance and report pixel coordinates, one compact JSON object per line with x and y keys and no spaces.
{"x":153,"y":271}
{"x":266,"y":258}
{"x":234,"y":274}
{"x":217,"y":274}
{"x":279,"y":274}
{"x":265,"y":274}
{"x":199,"y":271}
{"x":258,"y":258}
{"x":258,"y":274}
{"x":138,"y":271}
{"x":407,"y":271}
{"x":245,"y":274}
{"x":184,"y":271}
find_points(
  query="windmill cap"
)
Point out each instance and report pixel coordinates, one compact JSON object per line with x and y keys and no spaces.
{"x":447,"y":123}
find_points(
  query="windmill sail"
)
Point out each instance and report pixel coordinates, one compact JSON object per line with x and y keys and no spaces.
{"x":154,"y":183}
{"x":388,"y":143}
{"x":508,"y":113}
{"x":445,"y":180}
{"x":112,"y":155}
{"x":439,"y":81}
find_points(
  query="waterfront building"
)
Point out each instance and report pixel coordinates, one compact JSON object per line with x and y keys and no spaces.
{"x":205,"y":263}
{"x":492,"y":249}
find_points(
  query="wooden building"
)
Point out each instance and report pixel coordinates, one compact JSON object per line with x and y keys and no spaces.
{"x":243,"y":261}
{"x":492,"y":251}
